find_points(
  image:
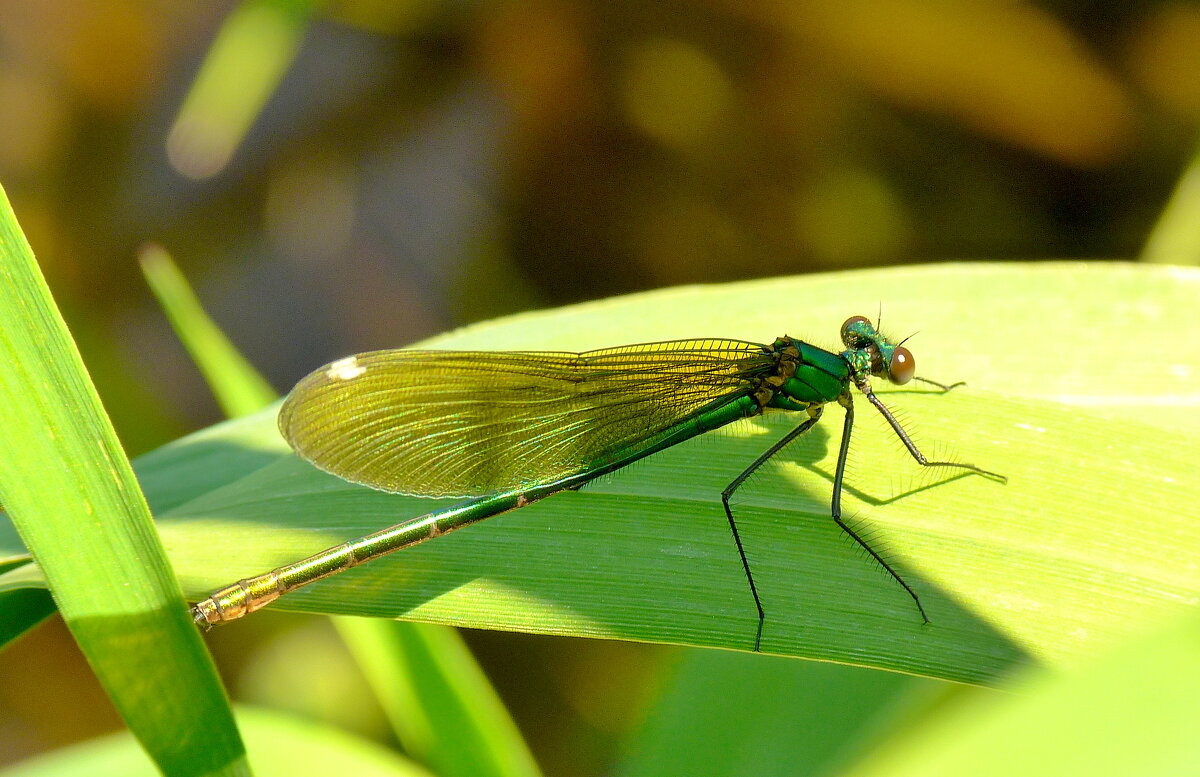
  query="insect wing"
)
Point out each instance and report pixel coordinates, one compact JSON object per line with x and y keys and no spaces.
{"x":461,"y":423}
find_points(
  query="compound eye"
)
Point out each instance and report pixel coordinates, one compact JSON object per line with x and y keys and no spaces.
{"x":903,"y":366}
{"x":847,"y":335}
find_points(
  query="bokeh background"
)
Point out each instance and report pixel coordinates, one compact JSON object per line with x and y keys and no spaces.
{"x":340,"y":176}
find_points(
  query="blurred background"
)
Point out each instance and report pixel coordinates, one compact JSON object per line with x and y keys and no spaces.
{"x":340,"y":176}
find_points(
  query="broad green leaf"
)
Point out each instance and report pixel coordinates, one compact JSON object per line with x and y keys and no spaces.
{"x":70,"y":491}
{"x":1130,"y":712}
{"x":206,"y":460}
{"x":1089,"y":537}
{"x":281,"y":745}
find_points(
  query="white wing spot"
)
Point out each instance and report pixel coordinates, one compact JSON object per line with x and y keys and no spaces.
{"x":345,"y":369}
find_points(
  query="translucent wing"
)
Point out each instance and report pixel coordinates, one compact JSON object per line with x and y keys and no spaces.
{"x":460,"y":423}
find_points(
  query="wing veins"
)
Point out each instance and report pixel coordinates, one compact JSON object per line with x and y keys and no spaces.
{"x":458,"y":423}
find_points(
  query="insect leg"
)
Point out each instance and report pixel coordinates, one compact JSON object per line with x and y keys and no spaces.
{"x":814,"y":413}
{"x":943,"y":386}
{"x":865,"y":388}
{"x":847,"y":402}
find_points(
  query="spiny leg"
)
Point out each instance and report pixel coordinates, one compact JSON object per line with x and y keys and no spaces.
{"x":836,"y":507}
{"x":814,"y":415}
{"x":865,"y":388}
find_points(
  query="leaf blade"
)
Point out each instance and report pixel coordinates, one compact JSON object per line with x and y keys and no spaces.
{"x":69,"y":490}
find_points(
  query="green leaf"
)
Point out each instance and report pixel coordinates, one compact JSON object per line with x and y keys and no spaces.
{"x":21,"y":609}
{"x":726,"y":713}
{"x":280,"y":746}
{"x":238,"y":387}
{"x":253,"y":50}
{"x":1132,"y":711}
{"x":1079,"y":389}
{"x":71,"y":494}
{"x":1174,"y":238}
{"x":444,"y":710}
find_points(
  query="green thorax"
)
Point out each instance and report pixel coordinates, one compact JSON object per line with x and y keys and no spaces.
{"x":808,"y":375}
{"x":818,"y":376}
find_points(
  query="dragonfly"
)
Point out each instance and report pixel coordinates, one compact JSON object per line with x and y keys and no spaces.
{"x":505,"y":429}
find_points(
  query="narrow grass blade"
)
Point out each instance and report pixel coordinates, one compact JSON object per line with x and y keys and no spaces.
{"x":256,"y":45}
{"x":725,"y":713}
{"x":71,"y":494}
{"x":238,"y":387}
{"x":443,"y":708}
{"x":1175,"y":238}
